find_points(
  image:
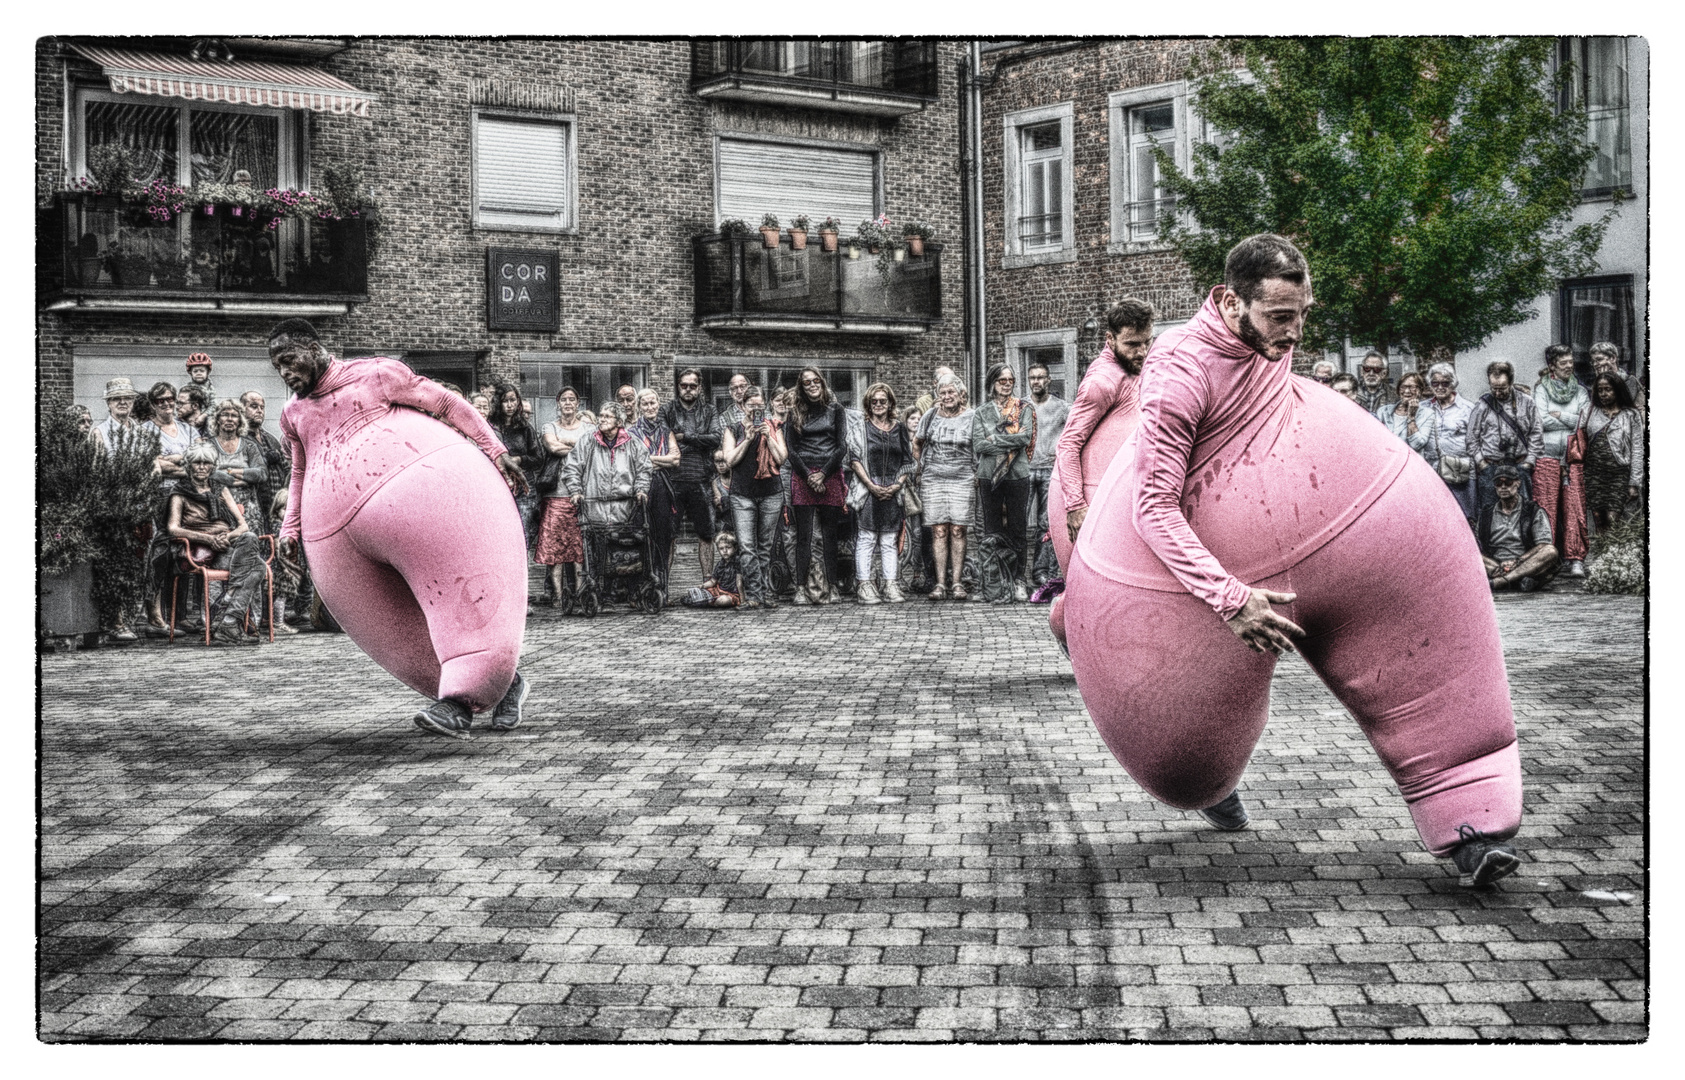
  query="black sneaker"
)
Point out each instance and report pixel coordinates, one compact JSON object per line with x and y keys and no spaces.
{"x":229,"y":633}
{"x":506,"y":716}
{"x":447,"y":718}
{"x":1229,"y":815}
{"x":1481,"y":861}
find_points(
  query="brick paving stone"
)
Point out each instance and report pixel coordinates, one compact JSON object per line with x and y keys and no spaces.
{"x":945,"y":852}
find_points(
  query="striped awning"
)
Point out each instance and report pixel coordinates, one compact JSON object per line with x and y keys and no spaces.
{"x":236,"y":82}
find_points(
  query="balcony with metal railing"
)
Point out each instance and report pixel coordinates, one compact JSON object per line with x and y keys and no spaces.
{"x":742,"y":284}
{"x":874,"y":78}
{"x":96,"y":253}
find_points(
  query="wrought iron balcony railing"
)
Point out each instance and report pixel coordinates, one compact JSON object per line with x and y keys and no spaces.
{"x":98,"y":253}
{"x":741,"y":283}
{"x":881,"y":78}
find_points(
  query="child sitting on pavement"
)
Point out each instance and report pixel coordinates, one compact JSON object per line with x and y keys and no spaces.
{"x":725,"y":587}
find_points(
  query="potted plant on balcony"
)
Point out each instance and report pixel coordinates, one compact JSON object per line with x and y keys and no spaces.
{"x":130,"y":262}
{"x":111,"y":166}
{"x":769,"y":231}
{"x":828,"y":230}
{"x":733,"y":228}
{"x":916,"y":233}
{"x":798,"y":232}
{"x":875,"y":235}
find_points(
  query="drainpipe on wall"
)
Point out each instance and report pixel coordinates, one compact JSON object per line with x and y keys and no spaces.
{"x":979,"y":322}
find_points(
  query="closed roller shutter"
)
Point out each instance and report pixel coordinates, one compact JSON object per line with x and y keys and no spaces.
{"x":759,"y":178}
{"x":521,"y":173}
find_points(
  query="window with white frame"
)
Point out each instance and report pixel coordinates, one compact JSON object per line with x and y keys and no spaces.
{"x":1598,"y":84}
{"x":1144,"y":120}
{"x":189,"y":142}
{"x":523,"y":171}
{"x":1039,"y":219}
{"x":1056,"y":350}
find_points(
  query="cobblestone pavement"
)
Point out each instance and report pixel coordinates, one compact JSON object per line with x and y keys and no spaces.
{"x":888,"y":823}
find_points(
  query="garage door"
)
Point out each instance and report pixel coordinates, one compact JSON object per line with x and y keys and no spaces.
{"x":234,"y":370}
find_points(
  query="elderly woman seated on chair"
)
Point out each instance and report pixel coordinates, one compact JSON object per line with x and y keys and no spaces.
{"x":205,"y":515}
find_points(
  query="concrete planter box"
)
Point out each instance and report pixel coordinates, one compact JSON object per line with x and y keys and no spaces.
{"x":67,"y":603}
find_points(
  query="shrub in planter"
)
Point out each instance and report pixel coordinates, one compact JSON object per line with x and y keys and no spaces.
{"x":916,"y":233}
{"x":798,"y":232}
{"x":828,"y":230}
{"x":769,"y":230}
{"x":97,"y":506}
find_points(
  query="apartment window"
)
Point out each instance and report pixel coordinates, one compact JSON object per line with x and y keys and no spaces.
{"x":1143,"y":120}
{"x":595,"y":377}
{"x":756,"y":177}
{"x":1599,"y":85}
{"x":523,"y":172}
{"x":1039,"y":216}
{"x":1599,"y":309}
{"x":189,"y":144}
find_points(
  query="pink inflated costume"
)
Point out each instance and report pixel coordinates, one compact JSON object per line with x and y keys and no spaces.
{"x":1102,"y":417}
{"x":411,"y":534}
{"x":1243,"y":475}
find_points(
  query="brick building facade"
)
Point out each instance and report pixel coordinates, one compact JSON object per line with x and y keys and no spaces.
{"x":641,"y":129}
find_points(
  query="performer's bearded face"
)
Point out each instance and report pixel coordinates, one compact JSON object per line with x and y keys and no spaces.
{"x":299,"y":365}
{"x":1274,"y":322}
{"x":1130,"y":346}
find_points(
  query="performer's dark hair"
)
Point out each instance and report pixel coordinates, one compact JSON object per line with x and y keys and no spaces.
{"x":293,"y":331}
{"x":1623,"y":396}
{"x":1129,"y":314}
{"x":1259,"y":258}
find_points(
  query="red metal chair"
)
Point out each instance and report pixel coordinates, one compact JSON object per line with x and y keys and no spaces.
{"x":187,"y":565}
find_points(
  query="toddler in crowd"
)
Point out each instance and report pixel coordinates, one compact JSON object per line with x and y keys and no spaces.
{"x":725,"y":588}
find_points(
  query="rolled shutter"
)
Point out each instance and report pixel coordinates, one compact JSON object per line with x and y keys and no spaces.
{"x":759,"y":178}
{"x":520,"y":172}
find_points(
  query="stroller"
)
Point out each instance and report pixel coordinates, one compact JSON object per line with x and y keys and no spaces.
{"x":619,"y":559}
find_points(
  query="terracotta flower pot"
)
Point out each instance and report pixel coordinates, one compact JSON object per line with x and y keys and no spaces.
{"x":828,"y":240}
{"x":769,"y":237}
{"x":915,"y":245}
{"x":798,"y":239}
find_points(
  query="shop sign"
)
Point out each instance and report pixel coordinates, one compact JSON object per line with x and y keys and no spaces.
{"x":521,"y":290}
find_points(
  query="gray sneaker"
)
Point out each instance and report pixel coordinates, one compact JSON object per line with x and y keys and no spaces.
{"x":1480,"y":861}
{"x":1229,"y":815}
{"x":506,"y":716}
{"x":449,"y":718}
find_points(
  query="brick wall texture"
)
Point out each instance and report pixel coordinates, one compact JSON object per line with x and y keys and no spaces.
{"x":645,"y":172}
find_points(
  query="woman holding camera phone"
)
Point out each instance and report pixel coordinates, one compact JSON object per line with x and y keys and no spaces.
{"x":754,"y":450}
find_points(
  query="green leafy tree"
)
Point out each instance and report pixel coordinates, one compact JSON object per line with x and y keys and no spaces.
{"x":1429,"y":181}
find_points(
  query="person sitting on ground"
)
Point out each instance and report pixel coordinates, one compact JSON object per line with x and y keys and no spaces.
{"x":205,"y":514}
{"x":1345,"y":384}
{"x":725,"y":588}
{"x":1514,"y":537}
{"x":240,"y":465}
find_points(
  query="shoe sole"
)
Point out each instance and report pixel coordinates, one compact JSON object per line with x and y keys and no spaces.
{"x":499,"y":725}
{"x":427,"y":724}
{"x":1224,"y":825}
{"x":1494,"y":865}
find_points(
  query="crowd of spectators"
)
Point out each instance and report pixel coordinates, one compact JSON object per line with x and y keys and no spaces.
{"x":941,"y":499}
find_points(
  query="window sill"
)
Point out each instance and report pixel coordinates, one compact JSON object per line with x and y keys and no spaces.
{"x":547,"y":230}
{"x":1011,"y":261}
{"x":1137,"y":247}
{"x":1620,"y":194}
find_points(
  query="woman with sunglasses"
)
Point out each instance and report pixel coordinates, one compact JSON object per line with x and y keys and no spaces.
{"x":882,"y":471}
{"x":817,"y":446}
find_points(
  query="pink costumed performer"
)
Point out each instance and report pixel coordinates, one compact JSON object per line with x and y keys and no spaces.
{"x":409,"y":530}
{"x":1246,"y":486}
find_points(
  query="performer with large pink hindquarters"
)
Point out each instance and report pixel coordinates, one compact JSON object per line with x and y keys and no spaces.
{"x":1243,"y":488}
{"x":1103,"y":415}
{"x":401,"y":498}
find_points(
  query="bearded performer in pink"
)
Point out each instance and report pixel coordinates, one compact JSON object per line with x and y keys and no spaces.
{"x":1246,"y":487}
{"x":1103,"y":415}
{"x":400,"y":496}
